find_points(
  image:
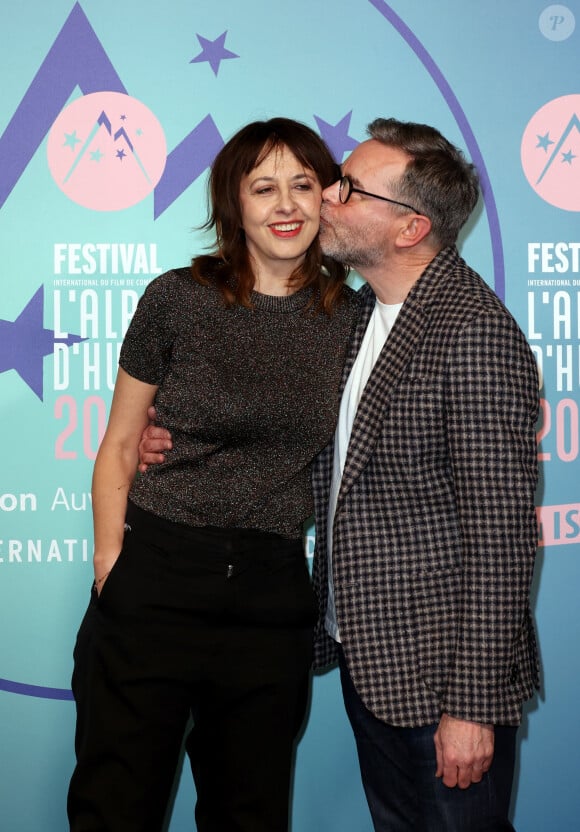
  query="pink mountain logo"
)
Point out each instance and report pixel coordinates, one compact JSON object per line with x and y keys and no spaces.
{"x":550,"y":152}
{"x":106,"y":151}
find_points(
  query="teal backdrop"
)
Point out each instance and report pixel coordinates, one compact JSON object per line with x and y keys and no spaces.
{"x":109,"y":117}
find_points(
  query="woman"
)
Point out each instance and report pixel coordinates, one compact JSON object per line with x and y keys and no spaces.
{"x":207,"y":612}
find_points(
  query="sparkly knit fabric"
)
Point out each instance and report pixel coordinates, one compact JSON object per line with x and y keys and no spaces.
{"x":250,"y":397}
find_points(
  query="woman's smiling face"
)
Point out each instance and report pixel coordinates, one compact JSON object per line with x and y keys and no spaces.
{"x":280,"y":205}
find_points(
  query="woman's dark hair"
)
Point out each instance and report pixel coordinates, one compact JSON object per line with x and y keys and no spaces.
{"x":229,"y":264}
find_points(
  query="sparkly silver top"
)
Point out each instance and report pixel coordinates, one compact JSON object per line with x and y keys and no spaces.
{"x":250,"y":397}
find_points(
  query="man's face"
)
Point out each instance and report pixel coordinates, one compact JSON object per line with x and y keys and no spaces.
{"x":361,"y":232}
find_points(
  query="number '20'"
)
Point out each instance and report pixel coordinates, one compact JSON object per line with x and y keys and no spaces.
{"x":90,"y":419}
{"x":565,"y":424}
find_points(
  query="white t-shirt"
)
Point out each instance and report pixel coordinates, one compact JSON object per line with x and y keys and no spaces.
{"x":377,"y":332}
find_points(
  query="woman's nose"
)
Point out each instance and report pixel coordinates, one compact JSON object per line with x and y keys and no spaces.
{"x":286,"y":200}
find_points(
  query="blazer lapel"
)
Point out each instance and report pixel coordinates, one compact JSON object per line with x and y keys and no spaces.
{"x":406,"y":335}
{"x":398,"y":350}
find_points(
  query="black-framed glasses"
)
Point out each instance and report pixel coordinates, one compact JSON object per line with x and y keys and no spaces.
{"x":346,"y":188}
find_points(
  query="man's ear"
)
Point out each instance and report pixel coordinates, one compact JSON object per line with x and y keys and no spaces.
{"x":414,"y":231}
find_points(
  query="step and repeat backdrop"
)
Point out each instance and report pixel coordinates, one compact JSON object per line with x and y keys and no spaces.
{"x":109,"y":117}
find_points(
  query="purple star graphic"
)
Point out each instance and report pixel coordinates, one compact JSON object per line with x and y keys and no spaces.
{"x":25,"y":342}
{"x":213,"y":51}
{"x":336,"y":136}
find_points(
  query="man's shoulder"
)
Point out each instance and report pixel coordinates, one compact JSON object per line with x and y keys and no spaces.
{"x":454,"y":296}
{"x":457,"y":280}
{"x":477,"y":295}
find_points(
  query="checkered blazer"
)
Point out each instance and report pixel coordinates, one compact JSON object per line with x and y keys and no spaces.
{"x":435,"y":527}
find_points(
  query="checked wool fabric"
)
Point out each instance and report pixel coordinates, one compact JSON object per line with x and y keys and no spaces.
{"x":435,"y":527}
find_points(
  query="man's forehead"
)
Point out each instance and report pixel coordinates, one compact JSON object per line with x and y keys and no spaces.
{"x":373,"y":158}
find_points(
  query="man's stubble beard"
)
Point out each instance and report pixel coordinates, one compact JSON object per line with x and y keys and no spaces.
{"x":342,"y":246}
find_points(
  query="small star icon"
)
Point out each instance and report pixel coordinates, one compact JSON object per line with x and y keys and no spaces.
{"x":213,"y":51}
{"x":336,"y":136}
{"x":120,"y":154}
{"x":544,"y":141}
{"x":567,"y":157}
{"x":96,"y":155}
{"x":71,"y":140}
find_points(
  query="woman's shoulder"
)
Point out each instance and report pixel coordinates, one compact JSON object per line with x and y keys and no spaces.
{"x":350,"y":296}
{"x":341,"y":319}
{"x":177,"y":278}
{"x":179,"y":285}
{"x":349,"y":302}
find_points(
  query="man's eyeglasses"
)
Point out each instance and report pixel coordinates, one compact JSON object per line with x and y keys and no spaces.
{"x":346,"y":188}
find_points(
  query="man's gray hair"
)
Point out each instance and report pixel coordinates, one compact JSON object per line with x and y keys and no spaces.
{"x":438,"y":181}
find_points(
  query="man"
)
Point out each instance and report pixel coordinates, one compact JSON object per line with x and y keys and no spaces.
{"x":425,"y":519}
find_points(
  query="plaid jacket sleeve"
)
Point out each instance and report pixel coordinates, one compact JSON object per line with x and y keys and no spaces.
{"x":492,"y":408}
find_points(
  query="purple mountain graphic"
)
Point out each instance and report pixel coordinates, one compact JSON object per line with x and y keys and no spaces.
{"x":77,"y":59}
